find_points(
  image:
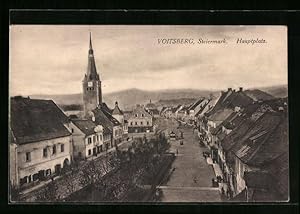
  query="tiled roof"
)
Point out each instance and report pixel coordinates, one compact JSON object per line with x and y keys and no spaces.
{"x":36,"y":120}
{"x":105,"y":107}
{"x":105,"y":119}
{"x":228,"y":122}
{"x":202,"y":108}
{"x":86,"y":126}
{"x":236,"y":134}
{"x":231,"y":99}
{"x":153,"y":111}
{"x":195,"y":104}
{"x":278,"y":169}
{"x":178,"y":108}
{"x":257,"y":179}
{"x":117,"y":111}
{"x":139,"y":110}
{"x":264,"y":141}
{"x":220,"y":115}
{"x":219,"y":102}
{"x":164,"y":108}
{"x":238,"y":99}
{"x":150,"y":105}
{"x":221,"y":136}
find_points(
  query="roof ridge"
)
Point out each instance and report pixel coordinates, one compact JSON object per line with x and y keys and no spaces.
{"x":262,"y":143}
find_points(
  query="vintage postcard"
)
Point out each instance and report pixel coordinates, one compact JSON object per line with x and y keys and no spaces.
{"x":148,"y":113}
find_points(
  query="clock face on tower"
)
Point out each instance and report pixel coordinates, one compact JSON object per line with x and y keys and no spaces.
{"x":90,"y":84}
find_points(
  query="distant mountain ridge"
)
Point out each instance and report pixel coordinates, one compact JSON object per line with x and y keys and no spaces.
{"x":127,"y":99}
{"x":279,"y":91}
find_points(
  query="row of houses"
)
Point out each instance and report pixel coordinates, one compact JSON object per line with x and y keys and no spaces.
{"x":44,"y":141}
{"x":188,"y":113}
{"x":248,"y":140}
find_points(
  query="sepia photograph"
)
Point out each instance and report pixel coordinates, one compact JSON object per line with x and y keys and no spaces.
{"x":148,"y":113}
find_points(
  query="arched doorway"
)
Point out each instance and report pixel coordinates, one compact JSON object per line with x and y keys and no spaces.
{"x":66,"y":163}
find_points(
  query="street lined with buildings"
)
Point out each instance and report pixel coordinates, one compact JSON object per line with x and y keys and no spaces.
{"x":228,"y":147}
{"x":191,"y":179}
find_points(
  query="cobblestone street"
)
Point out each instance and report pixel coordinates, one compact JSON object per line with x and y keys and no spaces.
{"x":191,"y":179}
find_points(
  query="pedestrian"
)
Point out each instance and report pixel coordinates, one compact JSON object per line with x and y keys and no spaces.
{"x":195,"y":180}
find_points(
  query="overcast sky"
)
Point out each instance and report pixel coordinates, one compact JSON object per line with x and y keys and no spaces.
{"x":53,"y":59}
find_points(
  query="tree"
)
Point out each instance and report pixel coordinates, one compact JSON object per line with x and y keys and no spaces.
{"x":49,"y":192}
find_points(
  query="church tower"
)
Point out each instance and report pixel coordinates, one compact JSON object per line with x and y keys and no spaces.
{"x":91,"y":84}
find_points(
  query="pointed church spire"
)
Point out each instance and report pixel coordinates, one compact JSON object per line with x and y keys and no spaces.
{"x":91,"y":70}
{"x":91,"y":47}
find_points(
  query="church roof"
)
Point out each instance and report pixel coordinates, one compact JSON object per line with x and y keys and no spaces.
{"x":91,"y":68}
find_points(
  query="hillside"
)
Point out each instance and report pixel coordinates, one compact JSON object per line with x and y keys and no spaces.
{"x":279,"y":91}
{"x":257,"y":94}
{"x":129,"y":98}
{"x":175,"y":102}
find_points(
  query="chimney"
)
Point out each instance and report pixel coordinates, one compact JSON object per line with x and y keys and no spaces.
{"x":241,"y":89}
{"x":229,"y":89}
{"x":150,"y":100}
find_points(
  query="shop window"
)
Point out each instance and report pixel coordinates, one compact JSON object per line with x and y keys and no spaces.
{"x":35,"y":177}
{"x":48,"y":172}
